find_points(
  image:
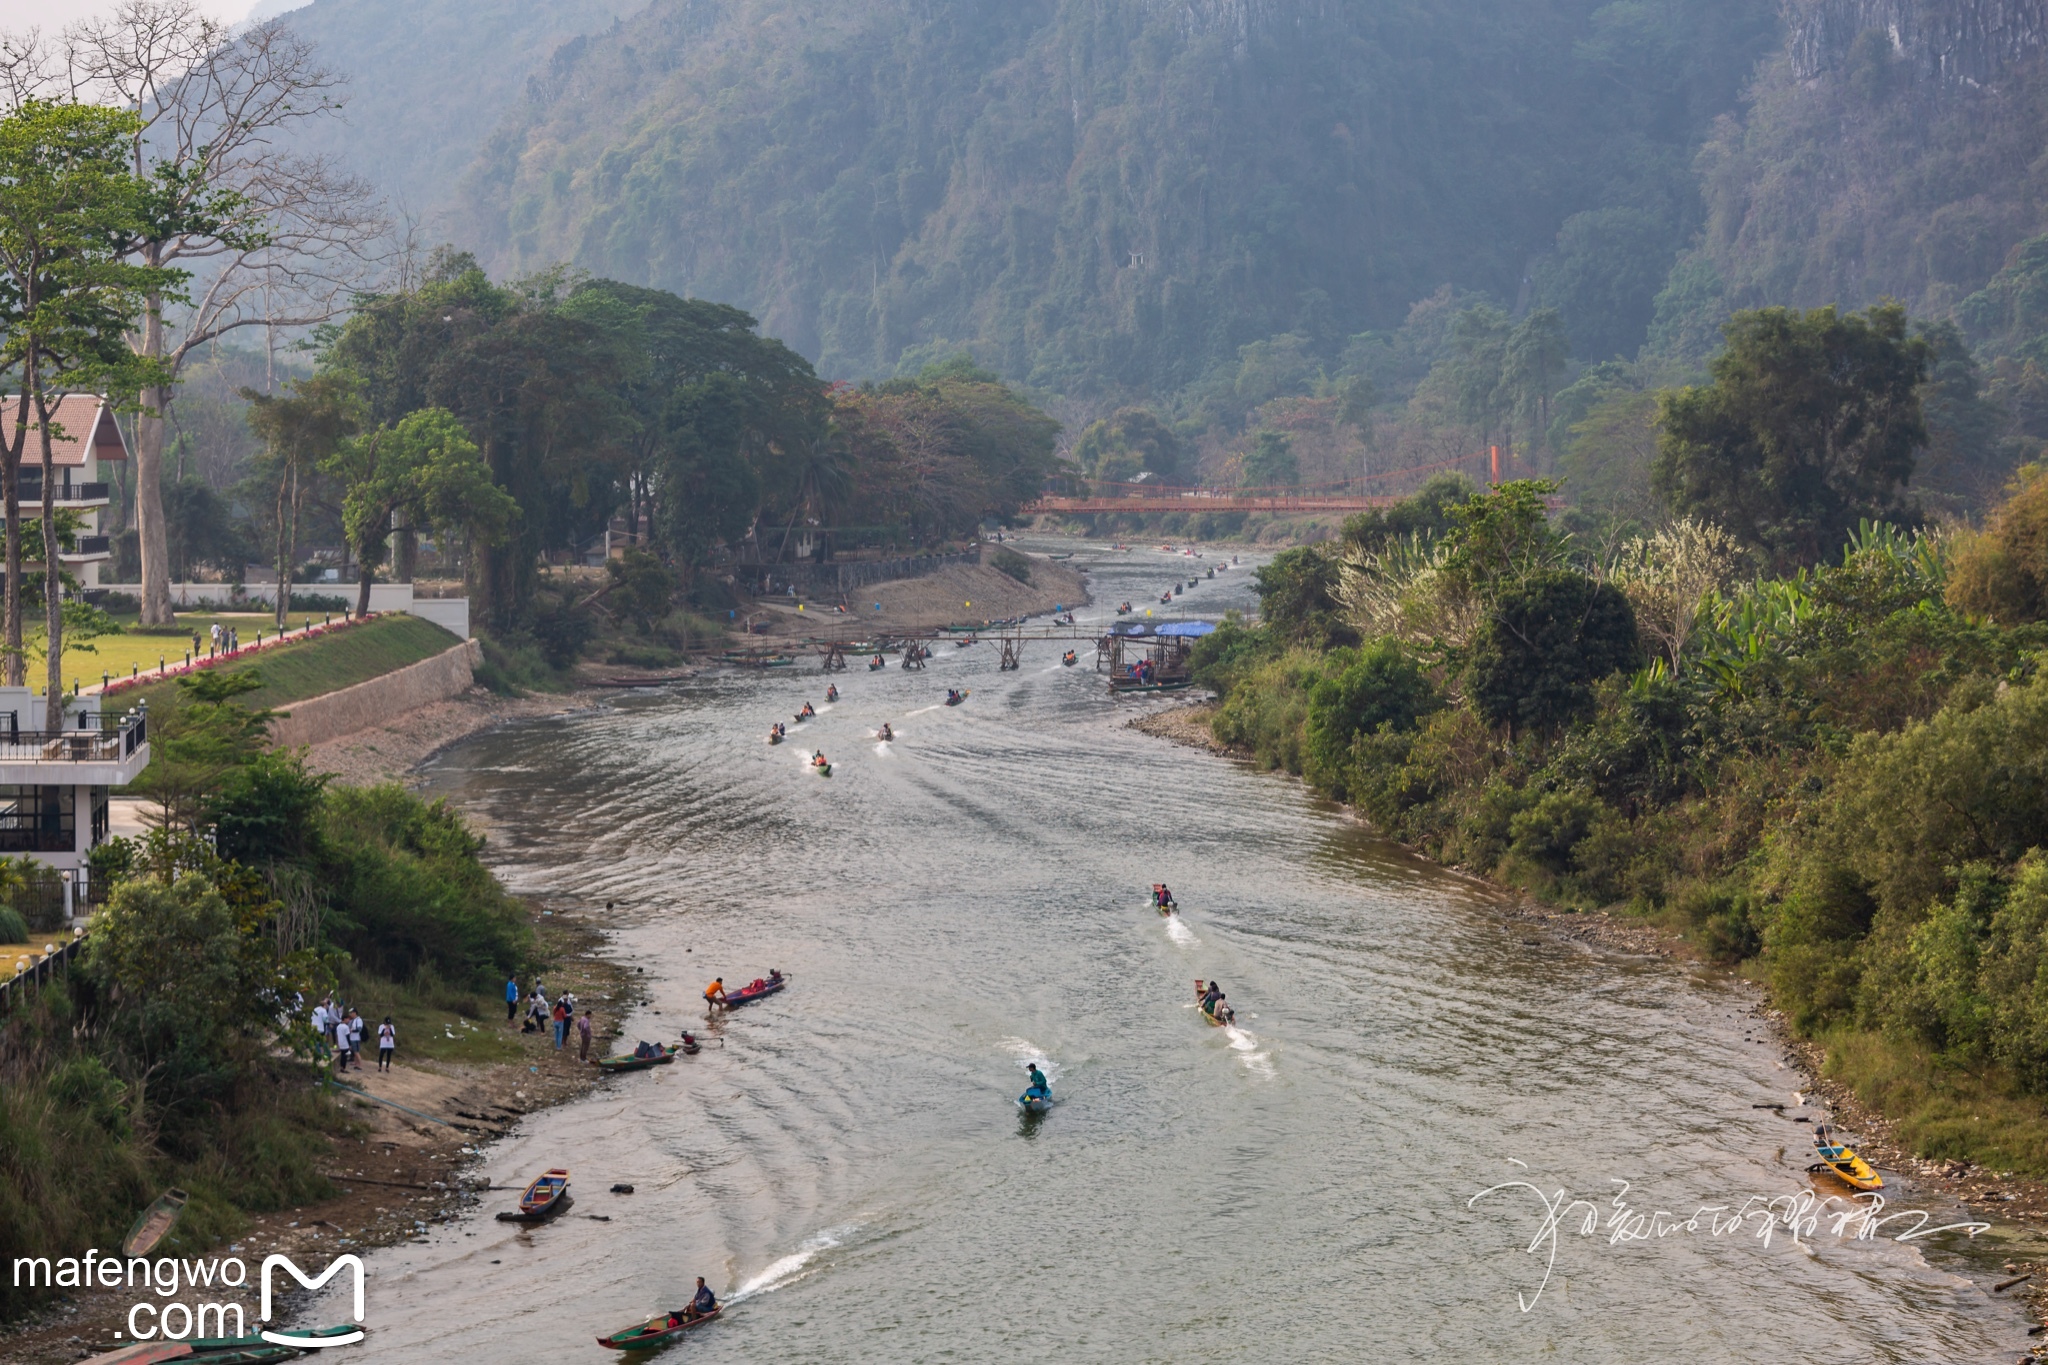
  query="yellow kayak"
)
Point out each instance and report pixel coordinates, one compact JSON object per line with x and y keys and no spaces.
{"x":1852,"y":1169}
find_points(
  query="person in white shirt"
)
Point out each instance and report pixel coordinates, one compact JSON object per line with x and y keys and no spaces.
{"x":387,"y":1043}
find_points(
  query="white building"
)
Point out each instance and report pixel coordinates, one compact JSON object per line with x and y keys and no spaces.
{"x":85,"y":438}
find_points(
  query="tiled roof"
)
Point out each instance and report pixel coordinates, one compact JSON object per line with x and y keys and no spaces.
{"x":77,"y":419}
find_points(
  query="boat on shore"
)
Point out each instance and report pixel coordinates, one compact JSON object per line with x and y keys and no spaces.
{"x":154,"y":1223}
{"x":1845,"y":1165}
{"x":744,"y":660}
{"x":547,"y":1196}
{"x":628,"y":1062}
{"x":1132,"y":686}
{"x":655,"y":1333}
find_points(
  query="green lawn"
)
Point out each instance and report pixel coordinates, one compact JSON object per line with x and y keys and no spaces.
{"x":117,"y":654}
{"x":302,"y":669}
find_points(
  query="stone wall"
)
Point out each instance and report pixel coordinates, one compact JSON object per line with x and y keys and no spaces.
{"x":376,"y":702}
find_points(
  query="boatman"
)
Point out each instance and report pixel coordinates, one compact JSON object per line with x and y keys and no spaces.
{"x":705,"y":1303}
{"x":1038,"y":1080}
{"x":714,"y":994}
{"x":1212,"y":998}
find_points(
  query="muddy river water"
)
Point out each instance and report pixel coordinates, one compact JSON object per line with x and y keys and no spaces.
{"x":850,"y":1172}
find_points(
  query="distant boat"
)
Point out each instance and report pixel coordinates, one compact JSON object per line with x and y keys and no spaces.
{"x":1121,"y":686}
{"x":155,"y":1223}
{"x":744,"y":660}
{"x":759,"y":989}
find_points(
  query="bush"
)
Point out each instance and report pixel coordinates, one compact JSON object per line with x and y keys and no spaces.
{"x":13,"y":928}
{"x":1544,"y":642}
{"x":1378,"y":685}
{"x":1008,"y":561}
{"x":1267,"y":711}
{"x":408,"y":891}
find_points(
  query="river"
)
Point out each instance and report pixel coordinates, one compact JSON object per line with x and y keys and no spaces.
{"x":849,"y":1171}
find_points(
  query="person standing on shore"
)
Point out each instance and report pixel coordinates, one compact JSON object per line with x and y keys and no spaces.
{"x":511,"y":998}
{"x":560,"y":1015}
{"x":387,"y":1043}
{"x":583,"y":1036}
{"x":355,"y":1041}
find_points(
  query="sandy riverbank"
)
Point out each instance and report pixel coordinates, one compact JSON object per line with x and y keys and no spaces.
{"x":959,"y":594}
{"x":2017,"y":1208}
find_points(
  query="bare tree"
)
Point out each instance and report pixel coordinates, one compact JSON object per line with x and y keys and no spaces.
{"x":284,"y":241}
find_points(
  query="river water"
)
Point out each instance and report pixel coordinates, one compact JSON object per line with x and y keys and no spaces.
{"x":849,"y":1170}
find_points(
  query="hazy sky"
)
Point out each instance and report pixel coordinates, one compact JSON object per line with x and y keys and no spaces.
{"x":51,"y":15}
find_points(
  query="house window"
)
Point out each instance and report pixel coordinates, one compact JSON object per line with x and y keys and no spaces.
{"x":37,"y":820}
{"x":99,"y":816}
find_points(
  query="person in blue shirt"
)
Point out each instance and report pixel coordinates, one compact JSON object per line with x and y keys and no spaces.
{"x":1039,"y":1084}
{"x":706,"y":1302}
{"x":511,"y":998}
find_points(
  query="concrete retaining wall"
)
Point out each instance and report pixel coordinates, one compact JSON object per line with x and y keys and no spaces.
{"x":334,"y":714}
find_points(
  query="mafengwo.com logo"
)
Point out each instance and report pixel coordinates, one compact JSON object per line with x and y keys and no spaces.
{"x":173,"y":1314}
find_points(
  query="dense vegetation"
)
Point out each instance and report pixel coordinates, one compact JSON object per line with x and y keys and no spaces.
{"x":178,"y":1051}
{"x":1825,"y":766}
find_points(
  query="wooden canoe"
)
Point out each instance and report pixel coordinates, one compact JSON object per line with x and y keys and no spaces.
{"x":265,"y":1354}
{"x":1851,"y":1169}
{"x":654,"y":1333}
{"x":956,"y":698}
{"x":142,"y":1353}
{"x":253,"y":1343}
{"x":154,"y":1224}
{"x":628,"y":1062}
{"x":1121,"y":686}
{"x":759,"y":990}
{"x":547,"y":1196}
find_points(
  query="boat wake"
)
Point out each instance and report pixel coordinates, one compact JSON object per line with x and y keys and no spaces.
{"x":1026,"y":1052}
{"x":1180,"y":933}
{"x":1246,"y":1046}
{"x":787,"y":1269}
{"x":922,"y":709}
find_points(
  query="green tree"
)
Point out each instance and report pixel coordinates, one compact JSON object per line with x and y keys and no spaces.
{"x":1380,"y":685}
{"x":641,"y":588}
{"x":1545,"y":641}
{"x":1270,"y":462}
{"x":1532,"y":363}
{"x":70,"y":208}
{"x":1298,"y":596}
{"x":1127,"y":443}
{"x":300,"y":433}
{"x":425,"y":468}
{"x":1811,"y":424}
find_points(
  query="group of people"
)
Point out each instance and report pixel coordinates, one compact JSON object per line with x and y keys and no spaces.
{"x":1215,"y":1005}
{"x":560,"y":1016}
{"x":341,"y":1031}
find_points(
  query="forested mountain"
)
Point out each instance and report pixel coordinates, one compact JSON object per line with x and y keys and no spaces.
{"x":427,"y":80}
{"x":1114,"y":197}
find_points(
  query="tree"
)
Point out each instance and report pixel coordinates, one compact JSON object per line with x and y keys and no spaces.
{"x":425,"y":468}
{"x":2002,"y":572}
{"x":1545,"y":641}
{"x":1127,"y":443}
{"x":281,"y":241}
{"x":1298,"y":596}
{"x":1667,"y":576}
{"x":299,"y":434}
{"x":641,"y":588}
{"x":69,"y":208}
{"x":200,"y":741}
{"x":1811,"y":424}
{"x":1531,"y":364}
{"x":1270,"y":462}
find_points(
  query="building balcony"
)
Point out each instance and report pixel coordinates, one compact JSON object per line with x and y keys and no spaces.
{"x":67,"y":494}
{"x":87,"y":550}
{"x":112,"y":755}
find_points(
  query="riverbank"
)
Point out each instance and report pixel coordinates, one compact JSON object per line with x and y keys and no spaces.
{"x":401,"y":1165}
{"x":392,"y":751}
{"x":2016,"y":1206}
{"x":958,"y":594}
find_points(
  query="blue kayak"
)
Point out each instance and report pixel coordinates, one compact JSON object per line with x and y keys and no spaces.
{"x":1035,"y":1100}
